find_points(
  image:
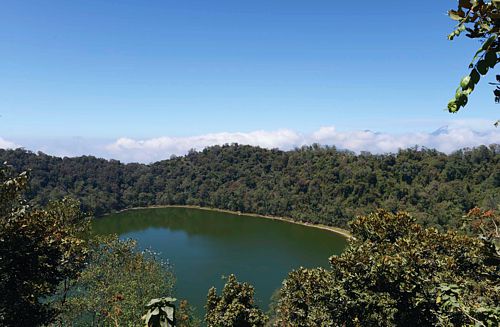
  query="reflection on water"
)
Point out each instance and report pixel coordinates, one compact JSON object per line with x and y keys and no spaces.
{"x":205,"y":245}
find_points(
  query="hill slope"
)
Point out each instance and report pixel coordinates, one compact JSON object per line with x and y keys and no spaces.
{"x":315,"y":184}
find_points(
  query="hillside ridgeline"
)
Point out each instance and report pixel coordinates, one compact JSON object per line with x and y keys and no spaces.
{"x":312,"y":184}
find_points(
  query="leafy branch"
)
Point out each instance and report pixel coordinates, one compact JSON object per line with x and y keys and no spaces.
{"x":478,"y":20}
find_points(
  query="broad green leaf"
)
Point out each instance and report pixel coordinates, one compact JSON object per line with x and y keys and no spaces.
{"x":465,"y":4}
{"x":456,"y":14}
{"x":488,"y":42}
{"x":474,"y":77}
{"x":491,"y":58}
{"x":482,"y":67}
{"x":153,"y":302}
{"x":462,"y":100}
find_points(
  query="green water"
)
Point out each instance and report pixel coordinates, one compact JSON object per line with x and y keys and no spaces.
{"x":204,"y":245}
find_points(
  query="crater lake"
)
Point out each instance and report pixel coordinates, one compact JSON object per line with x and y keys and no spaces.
{"x":203,"y":245}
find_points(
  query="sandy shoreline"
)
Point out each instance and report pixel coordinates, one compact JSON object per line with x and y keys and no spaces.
{"x":336,"y":230}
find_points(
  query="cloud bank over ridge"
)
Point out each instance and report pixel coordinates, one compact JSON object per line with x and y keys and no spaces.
{"x":5,"y":144}
{"x":446,"y":139}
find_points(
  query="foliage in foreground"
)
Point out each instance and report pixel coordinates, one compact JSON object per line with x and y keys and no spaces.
{"x":53,"y":273}
{"x":397,"y":273}
{"x":477,"y":19}
{"x":39,"y":250}
{"x":235,"y":307}
{"x":116,"y":284}
{"x":185,"y":315}
{"x":158,"y":314}
{"x":161,"y":313}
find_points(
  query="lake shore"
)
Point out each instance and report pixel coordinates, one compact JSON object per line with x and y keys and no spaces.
{"x":336,"y":230}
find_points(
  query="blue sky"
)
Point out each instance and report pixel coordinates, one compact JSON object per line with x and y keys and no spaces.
{"x":104,"y":70}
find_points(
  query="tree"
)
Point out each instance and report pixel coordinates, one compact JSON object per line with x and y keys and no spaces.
{"x":39,"y":249}
{"x":186,"y":316}
{"x":116,"y":285}
{"x":307,"y":298}
{"x":235,"y":307}
{"x":397,"y":273}
{"x":485,"y":224}
{"x":478,"y":19}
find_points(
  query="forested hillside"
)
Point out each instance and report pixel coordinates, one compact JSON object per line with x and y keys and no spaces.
{"x":316,"y":184}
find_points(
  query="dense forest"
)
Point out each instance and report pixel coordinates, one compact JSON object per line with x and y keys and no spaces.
{"x":394,"y":272}
{"x":314,"y":183}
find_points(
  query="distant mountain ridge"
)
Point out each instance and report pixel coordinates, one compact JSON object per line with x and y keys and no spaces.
{"x":441,"y":130}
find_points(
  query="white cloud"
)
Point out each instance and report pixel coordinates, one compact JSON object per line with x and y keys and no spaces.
{"x":5,"y":144}
{"x":128,"y":149}
{"x":447,"y":139}
{"x":457,"y":135}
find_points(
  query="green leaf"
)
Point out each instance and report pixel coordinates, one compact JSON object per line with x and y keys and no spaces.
{"x":465,"y":4}
{"x":469,"y":90}
{"x":491,"y":58}
{"x":462,"y":100}
{"x":488,"y":42}
{"x":484,"y":47}
{"x":146,"y":317}
{"x":482,"y":67}
{"x":452,"y":106}
{"x":153,"y":302}
{"x":455,"y":15}
{"x":464,"y":83}
{"x":474,"y":77}
{"x":475,"y":57}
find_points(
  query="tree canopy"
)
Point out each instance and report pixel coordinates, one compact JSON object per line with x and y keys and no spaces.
{"x":116,"y":284}
{"x":54,"y":272}
{"x":314,"y":184}
{"x":39,"y":249}
{"x":397,"y":273}
{"x":235,"y":307}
